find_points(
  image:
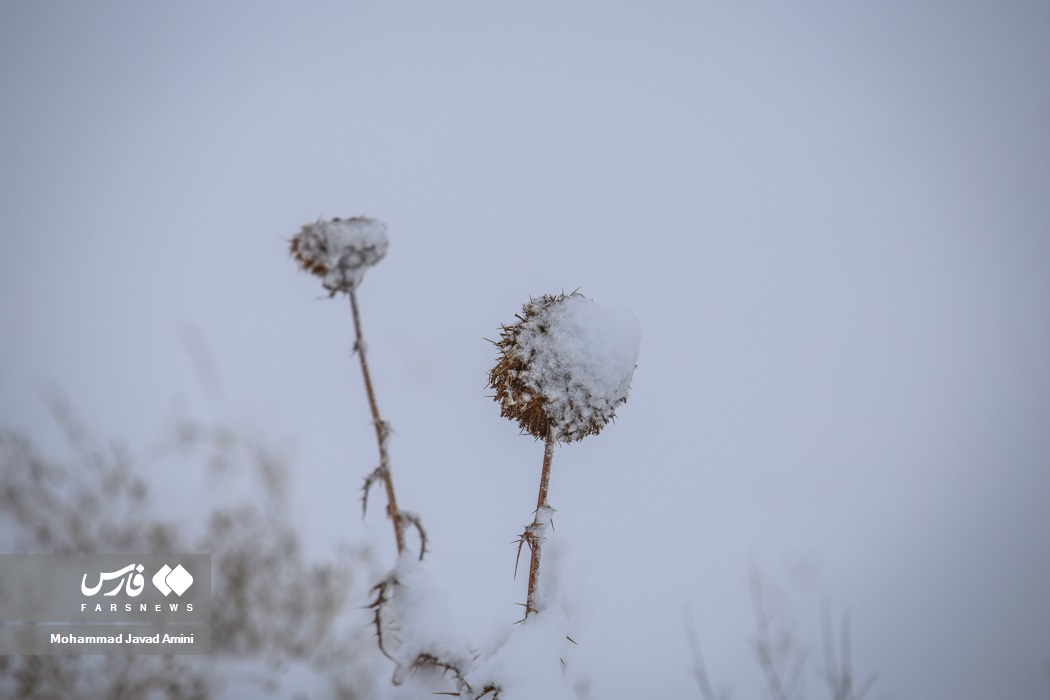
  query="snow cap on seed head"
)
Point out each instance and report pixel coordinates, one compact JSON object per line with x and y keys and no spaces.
{"x":565,"y":366}
{"x":339,"y":250}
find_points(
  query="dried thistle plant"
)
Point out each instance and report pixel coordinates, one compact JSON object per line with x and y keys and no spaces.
{"x":339,"y":251}
{"x":563,"y":369}
{"x":549,"y":378}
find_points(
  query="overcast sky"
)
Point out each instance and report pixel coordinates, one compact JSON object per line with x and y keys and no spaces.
{"x":832,"y":221}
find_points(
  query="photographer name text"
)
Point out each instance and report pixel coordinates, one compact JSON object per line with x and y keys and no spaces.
{"x":57,"y":638}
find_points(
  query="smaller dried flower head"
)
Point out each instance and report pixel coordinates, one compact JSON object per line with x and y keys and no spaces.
{"x":340,"y":250}
{"x":565,"y":366}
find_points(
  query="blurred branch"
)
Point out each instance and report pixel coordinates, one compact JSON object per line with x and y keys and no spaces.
{"x":838,"y":671}
{"x":782,"y":660}
{"x":703,"y":680}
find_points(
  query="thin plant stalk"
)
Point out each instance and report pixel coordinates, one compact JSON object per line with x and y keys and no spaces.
{"x":536,"y":530}
{"x":382,"y":429}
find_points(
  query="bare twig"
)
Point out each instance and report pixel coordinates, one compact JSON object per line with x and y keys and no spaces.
{"x":775,"y":660}
{"x":382,"y":431}
{"x":370,"y":481}
{"x":838,"y":671}
{"x":533,"y":533}
{"x":522,"y":540}
{"x":703,"y":680}
{"x":382,"y":591}
{"x":412,"y":519}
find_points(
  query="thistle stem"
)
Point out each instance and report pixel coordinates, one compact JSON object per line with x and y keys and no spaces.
{"x":382,"y":429}
{"x":535,"y":540}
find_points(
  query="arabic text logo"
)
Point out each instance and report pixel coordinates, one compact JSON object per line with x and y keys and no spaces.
{"x":133,"y":579}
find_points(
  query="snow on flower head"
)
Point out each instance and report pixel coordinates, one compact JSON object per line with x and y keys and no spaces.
{"x":565,"y":366}
{"x":340,"y":250}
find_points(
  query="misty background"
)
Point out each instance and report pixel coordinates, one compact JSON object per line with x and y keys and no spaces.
{"x":830,"y":219}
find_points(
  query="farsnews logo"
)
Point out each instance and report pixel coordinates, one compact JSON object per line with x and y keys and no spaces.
{"x":167,"y":580}
{"x":133,"y":579}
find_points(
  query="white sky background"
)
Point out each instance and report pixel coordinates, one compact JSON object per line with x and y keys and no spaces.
{"x":831,"y":222}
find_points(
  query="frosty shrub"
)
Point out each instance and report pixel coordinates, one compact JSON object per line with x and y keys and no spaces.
{"x":272,"y":610}
{"x":563,"y":370}
{"x":339,"y":251}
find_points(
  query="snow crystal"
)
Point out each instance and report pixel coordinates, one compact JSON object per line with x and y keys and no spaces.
{"x":581,"y":358}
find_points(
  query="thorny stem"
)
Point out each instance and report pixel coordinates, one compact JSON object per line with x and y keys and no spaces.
{"x":534,"y":540}
{"x":382,"y":430}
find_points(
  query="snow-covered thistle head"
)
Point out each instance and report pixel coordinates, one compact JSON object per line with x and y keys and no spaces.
{"x":340,"y":250}
{"x":565,"y":366}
